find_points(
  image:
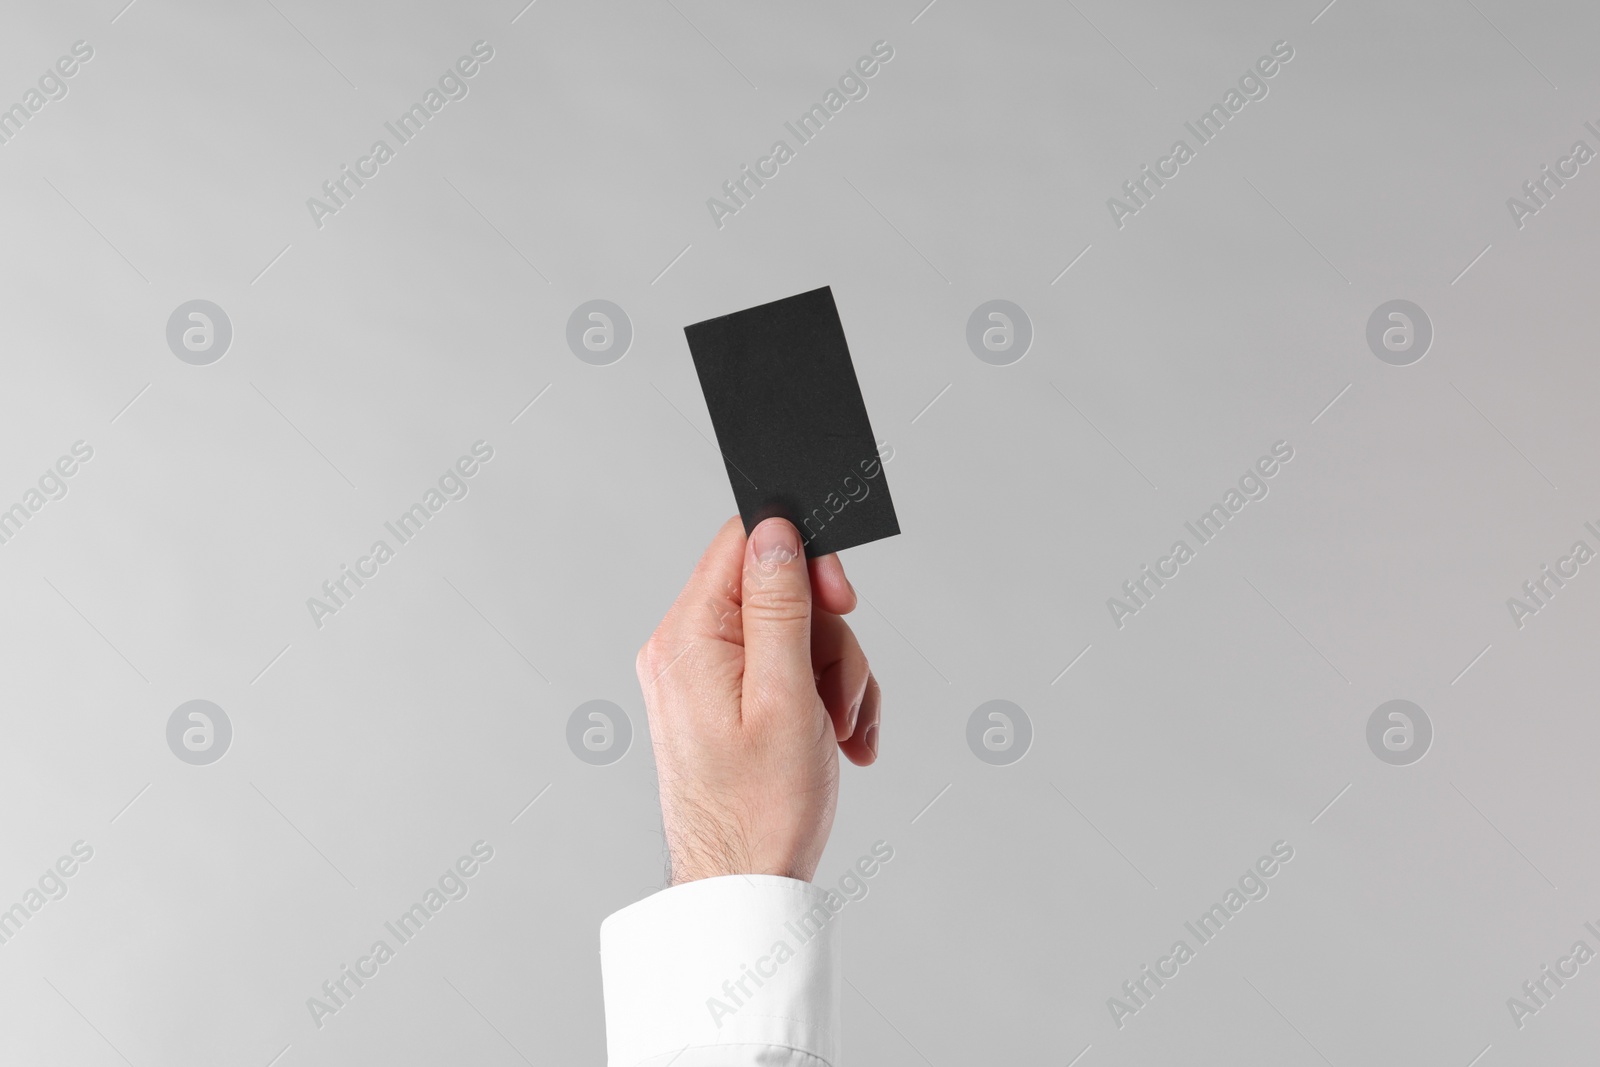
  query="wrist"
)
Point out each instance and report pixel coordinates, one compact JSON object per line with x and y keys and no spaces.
{"x":695,"y":862}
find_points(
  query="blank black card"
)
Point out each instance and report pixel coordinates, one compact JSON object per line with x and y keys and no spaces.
{"x":791,"y":423}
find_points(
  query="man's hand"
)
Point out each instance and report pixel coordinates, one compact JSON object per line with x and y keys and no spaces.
{"x":751,"y":682}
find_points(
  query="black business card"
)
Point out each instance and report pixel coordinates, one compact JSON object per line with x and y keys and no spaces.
{"x":791,"y":423}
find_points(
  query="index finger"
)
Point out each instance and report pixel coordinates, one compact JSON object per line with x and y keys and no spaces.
{"x":830,"y":588}
{"x":711,"y":595}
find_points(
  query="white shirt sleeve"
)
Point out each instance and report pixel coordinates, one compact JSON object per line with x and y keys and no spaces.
{"x":736,"y":971}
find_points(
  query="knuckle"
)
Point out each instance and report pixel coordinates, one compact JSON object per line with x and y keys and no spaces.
{"x":650,"y":660}
{"x":777,"y":603}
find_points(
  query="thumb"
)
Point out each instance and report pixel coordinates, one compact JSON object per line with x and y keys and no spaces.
{"x":776,"y":609}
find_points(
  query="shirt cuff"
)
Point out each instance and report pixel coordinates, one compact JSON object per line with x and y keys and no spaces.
{"x":741,"y":966}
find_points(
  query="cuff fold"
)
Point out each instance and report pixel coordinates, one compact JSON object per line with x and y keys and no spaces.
{"x":735,"y":960}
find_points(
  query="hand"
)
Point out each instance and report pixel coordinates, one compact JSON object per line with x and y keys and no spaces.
{"x":751,"y":682}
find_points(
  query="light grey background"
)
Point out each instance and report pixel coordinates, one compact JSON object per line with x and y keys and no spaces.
{"x":369,"y":354}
